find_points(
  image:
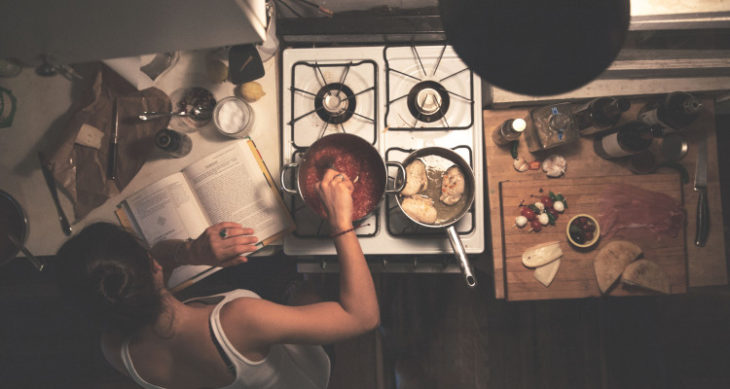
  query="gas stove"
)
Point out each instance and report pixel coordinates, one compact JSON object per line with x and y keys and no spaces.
{"x":399,"y":99}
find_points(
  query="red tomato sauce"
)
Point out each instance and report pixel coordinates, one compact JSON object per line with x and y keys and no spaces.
{"x":356,"y":165}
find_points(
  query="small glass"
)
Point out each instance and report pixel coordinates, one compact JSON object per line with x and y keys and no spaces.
{"x":233,"y":117}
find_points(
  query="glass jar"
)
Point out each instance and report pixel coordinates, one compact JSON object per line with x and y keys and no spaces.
{"x":233,"y":117}
{"x":553,"y":126}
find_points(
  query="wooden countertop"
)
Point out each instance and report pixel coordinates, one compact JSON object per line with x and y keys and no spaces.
{"x":706,"y":266}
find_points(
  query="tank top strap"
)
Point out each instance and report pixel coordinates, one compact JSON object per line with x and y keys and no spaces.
{"x":127,"y":360}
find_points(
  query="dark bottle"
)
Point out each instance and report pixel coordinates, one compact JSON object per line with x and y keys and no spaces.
{"x":624,"y":140}
{"x":173,"y":143}
{"x":675,"y":111}
{"x":600,"y":114}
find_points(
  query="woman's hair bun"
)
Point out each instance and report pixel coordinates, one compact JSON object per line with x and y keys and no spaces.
{"x":108,"y":274}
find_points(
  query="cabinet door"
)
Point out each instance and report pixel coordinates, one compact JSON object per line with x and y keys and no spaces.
{"x":73,"y":31}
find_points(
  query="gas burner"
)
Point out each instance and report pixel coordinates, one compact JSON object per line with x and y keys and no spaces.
{"x":427,"y":88}
{"x":428,"y":101}
{"x":332,"y":97}
{"x":335,"y":103}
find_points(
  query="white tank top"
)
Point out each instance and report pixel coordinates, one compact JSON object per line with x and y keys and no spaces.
{"x":286,"y":365}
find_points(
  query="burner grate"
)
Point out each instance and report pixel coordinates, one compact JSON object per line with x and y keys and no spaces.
{"x":427,"y":88}
{"x":333,"y":97}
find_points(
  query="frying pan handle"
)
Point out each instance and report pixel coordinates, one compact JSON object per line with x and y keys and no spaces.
{"x":283,"y":181}
{"x":403,"y":171}
{"x":461,"y":255}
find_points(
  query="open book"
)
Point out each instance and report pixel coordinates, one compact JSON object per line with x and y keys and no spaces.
{"x":232,"y":184}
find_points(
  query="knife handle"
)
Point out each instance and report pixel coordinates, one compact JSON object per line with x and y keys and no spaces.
{"x":112,"y":165}
{"x":703,"y":218}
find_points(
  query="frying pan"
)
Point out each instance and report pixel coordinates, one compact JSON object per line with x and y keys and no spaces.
{"x":437,"y":161}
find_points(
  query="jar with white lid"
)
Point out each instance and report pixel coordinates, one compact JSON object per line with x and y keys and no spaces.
{"x":233,"y":117}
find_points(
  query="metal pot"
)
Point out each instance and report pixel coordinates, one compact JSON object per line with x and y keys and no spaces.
{"x":346,"y":153}
{"x":437,"y":161}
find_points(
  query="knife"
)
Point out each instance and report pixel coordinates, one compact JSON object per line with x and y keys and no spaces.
{"x":703,"y":212}
{"x":51,"y":183}
{"x":113,"y":142}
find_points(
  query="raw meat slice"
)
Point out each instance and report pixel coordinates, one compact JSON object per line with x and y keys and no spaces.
{"x":420,"y":208}
{"x":627,"y":208}
{"x":416,"y":180}
{"x":452,"y":186}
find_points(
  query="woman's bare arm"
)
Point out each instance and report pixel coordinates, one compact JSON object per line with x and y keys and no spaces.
{"x":357,"y":309}
{"x":210,"y":248}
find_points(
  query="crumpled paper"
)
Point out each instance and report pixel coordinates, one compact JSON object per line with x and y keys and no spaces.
{"x":80,"y":170}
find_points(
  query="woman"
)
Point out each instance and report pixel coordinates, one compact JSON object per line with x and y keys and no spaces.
{"x":236,"y":340}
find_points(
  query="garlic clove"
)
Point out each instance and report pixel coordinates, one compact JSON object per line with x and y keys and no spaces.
{"x":520,"y":164}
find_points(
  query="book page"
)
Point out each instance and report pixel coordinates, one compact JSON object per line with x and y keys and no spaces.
{"x":167,"y":209}
{"x":232,"y":187}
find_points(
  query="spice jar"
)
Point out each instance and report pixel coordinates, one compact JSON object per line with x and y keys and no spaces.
{"x":508,"y":131}
{"x":174,"y":143}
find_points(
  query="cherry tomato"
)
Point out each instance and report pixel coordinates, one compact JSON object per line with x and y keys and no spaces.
{"x":528,"y":213}
{"x":554,"y":213}
{"x":545,"y":200}
{"x":536,"y":226}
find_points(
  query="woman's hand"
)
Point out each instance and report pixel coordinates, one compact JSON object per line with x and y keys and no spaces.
{"x":335,"y":190}
{"x":222,"y":244}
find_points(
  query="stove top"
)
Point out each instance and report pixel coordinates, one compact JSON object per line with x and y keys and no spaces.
{"x":399,"y":99}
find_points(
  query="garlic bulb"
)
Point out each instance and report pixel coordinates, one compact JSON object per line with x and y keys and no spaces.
{"x":559,"y":206}
{"x":543,"y":219}
{"x":520,"y":164}
{"x":554,"y":165}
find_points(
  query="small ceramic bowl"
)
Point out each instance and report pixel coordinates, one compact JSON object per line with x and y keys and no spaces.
{"x":596,"y":233}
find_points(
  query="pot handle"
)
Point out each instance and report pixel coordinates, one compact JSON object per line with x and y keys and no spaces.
{"x":281,"y":178}
{"x":461,"y":255}
{"x":403,"y":171}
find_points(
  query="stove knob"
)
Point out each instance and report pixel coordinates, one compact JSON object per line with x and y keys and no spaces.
{"x":323,"y":264}
{"x":415,"y":263}
{"x":385,"y":263}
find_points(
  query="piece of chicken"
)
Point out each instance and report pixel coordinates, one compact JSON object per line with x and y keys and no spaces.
{"x":420,"y":208}
{"x":452,"y":186}
{"x":416,"y":180}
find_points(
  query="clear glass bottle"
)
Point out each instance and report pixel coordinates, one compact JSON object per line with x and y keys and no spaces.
{"x":676,"y":111}
{"x":174,"y":143}
{"x":509,"y":131}
{"x":599,"y":114}
{"x":553,"y":126}
{"x":628,"y":139}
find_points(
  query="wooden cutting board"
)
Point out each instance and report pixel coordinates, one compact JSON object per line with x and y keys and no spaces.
{"x":576,"y":277}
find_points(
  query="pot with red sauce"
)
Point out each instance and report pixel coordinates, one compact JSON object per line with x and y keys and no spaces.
{"x":350,"y":155}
